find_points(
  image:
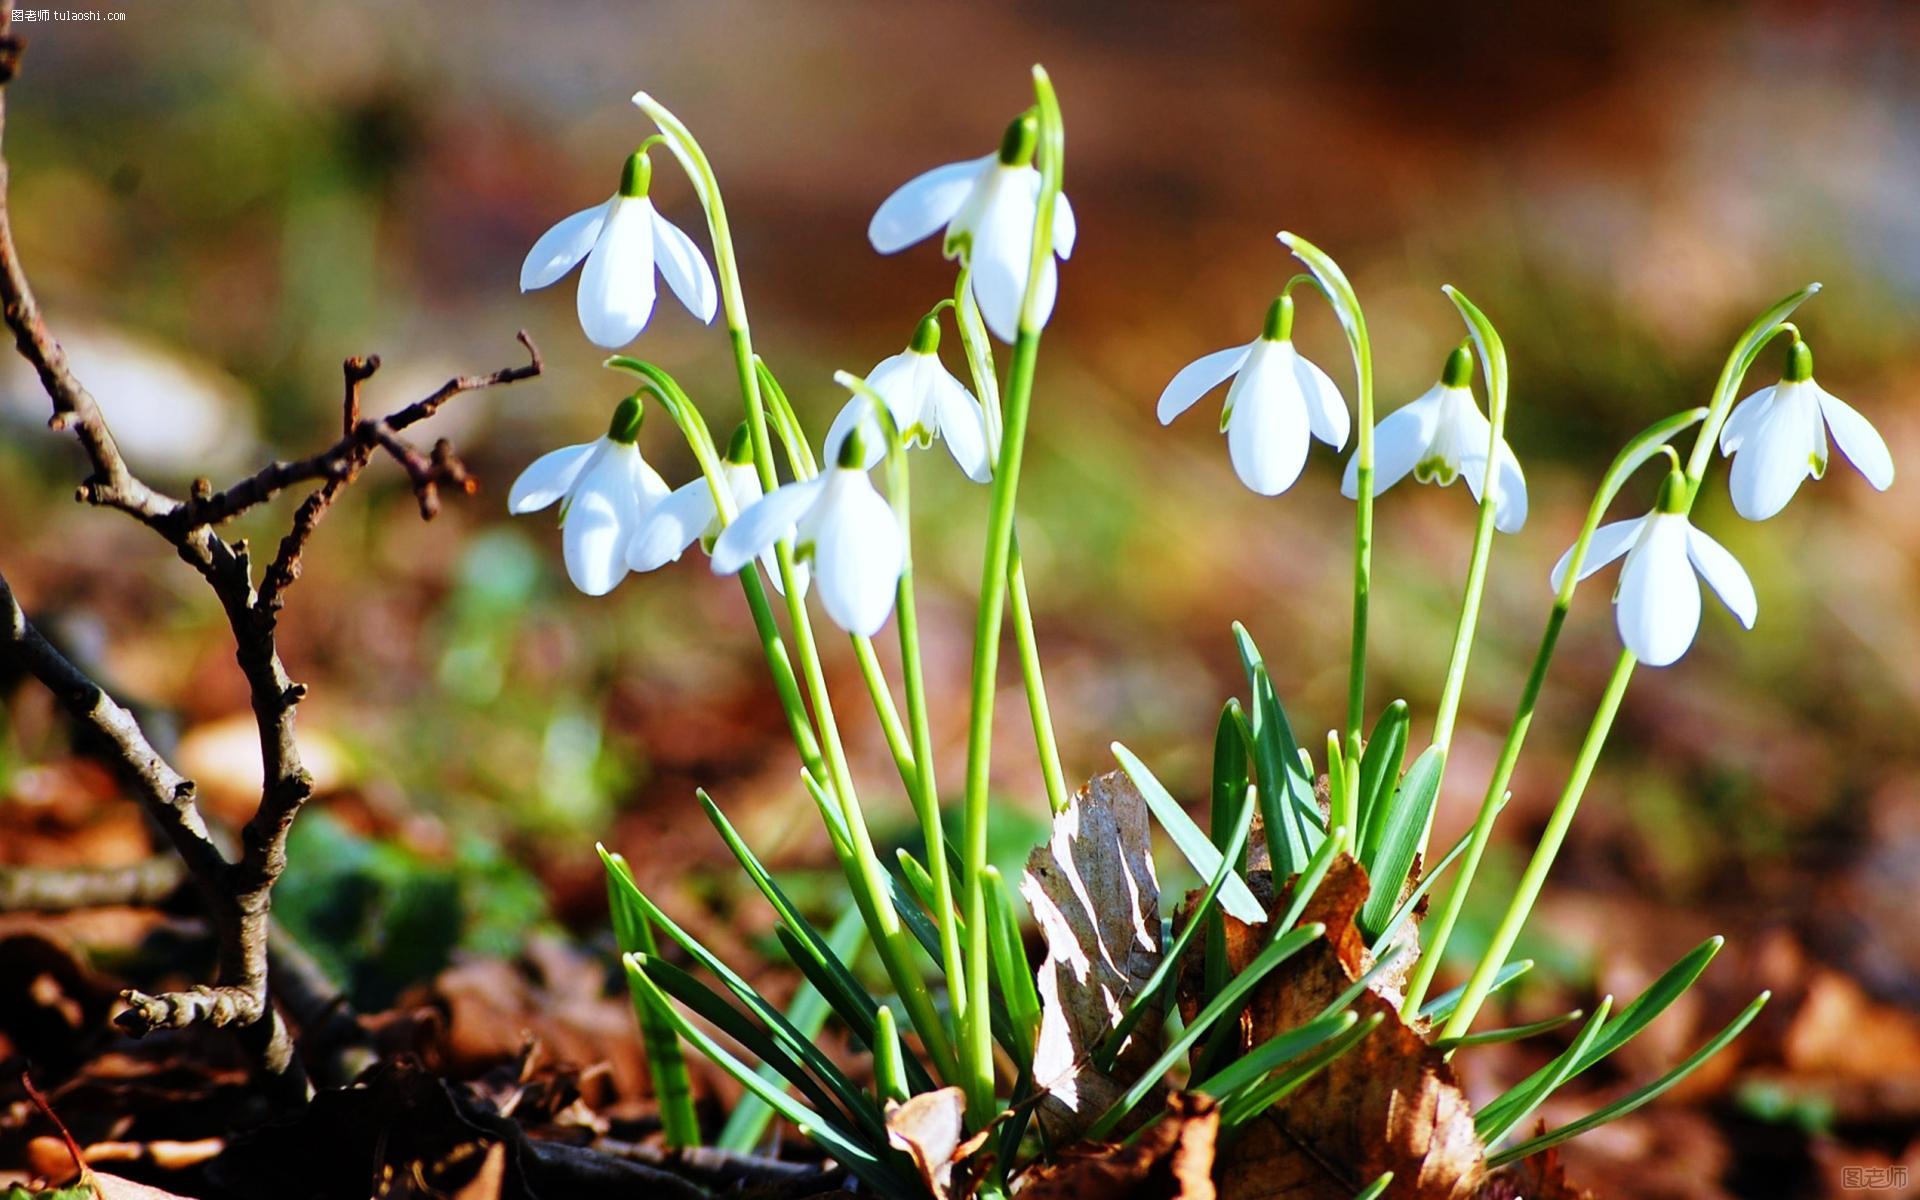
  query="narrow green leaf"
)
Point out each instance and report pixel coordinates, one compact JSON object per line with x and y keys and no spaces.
{"x":1512,"y":1033}
{"x":1235,"y":897}
{"x":1011,"y":969}
{"x":1230,"y":777}
{"x":1287,"y":805}
{"x":915,"y":876}
{"x":1376,"y":1189}
{"x":1428,"y":877}
{"x":1556,"y":1073}
{"x":889,"y":1080}
{"x":1276,"y":952}
{"x":1275,"y":1052}
{"x":1404,"y":824}
{"x":807,"y":1012}
{"x":666,"y":1066}
{"x":1441,"y":1007}
{"x":1660,"y":994}
{"x":1627,"y":1104}
{"x":1258,"y":1097}
{"x":1380,"y":765}
{"x":858,"y":1159}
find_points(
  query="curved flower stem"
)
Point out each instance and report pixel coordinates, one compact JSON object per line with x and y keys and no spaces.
{"x":1520,"y":907}
{"x":896,"y":946}
{"x":973,"y":336}
{"x":976,"y":1029}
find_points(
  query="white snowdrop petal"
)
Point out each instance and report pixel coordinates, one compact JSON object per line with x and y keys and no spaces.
{"x":901,"y":381}
{"x":1267,"y":435}
{"x":561,"y":248}
{"x":1658,"y":604}
{"x":685,"y":269}
{"x":1858,"y":440}
{"x":1473,"y":434}
{"x":671,"y":526}
{"x":1399,"y":443}
{"x":1740,"y":420}
{"x":1066,"y":229}
{"x":1510,"y":508}
{"x":1198,"y":378}
{"x":858,"y":410}
{"x":594,"y":534}
{"x":1001,"y":257}
{"x":1326,"y":408}
{"x":1724,"y":575}
{"x":923,"y":204}
{"x":858,"y":555}
{"x":1776,"y":455}
{"x":1607,"y":543}
{"x":616,"y":289}
{"x":548,"y":477}
{"x":763,"y":523}
{"x":963,"y":425}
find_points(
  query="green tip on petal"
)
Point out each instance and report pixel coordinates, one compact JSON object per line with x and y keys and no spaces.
{"x":1018,"y":143}
{"x":740,"y":446}
{"x":1799,"y":363}
{"x":926,"y":335}
{"x":1279,"y":323}
{"x":853,"y":451}
{"x":1673,"y":494}
{"x":637,"y":175}
{"x":1458,"y":372}
{"x":625,"y":426}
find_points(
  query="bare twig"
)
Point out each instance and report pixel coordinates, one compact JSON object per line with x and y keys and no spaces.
{"x":237,"y":890}
{"x":144,"y":884}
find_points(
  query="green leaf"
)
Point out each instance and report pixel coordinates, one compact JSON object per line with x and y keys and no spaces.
{"x":889,"y":1081}
{"x":1441,"y":1007}
{"x":1258,"y":1097}
{"x":807,"y":1012}
{"x":1556,"y":1073}
{"x":1235,"y":897}
{"x":672,"y":1087}
{"x":1287,"y":806}
{"x":1427,"y":879}
{"x":1275,"y":1052}
{"x":1276,"y":952}
{"x":1376,"y":1189}
{"x":1145,"y":998}
{"x":1380,"y":767}
{"x":1405,"y":823}
{"x":1512,"y":1033}
{"x":1011,"y":969}
{"x":1230,"y":777}
{"x":1629,"y":1103}
{"x":1660,"y":994}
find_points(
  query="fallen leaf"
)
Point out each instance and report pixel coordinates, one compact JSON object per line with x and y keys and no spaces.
{"x":1389,"y":1104}
{"x":1093,"y":893}
{"x":1171,"y":1160}
{"x":927,"y":1129}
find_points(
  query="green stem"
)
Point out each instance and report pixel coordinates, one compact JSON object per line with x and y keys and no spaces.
{"x":976,"y":1029}
{"x":891,"y":939}
{"x":1528,"y":891}
{"x":904,"y":759}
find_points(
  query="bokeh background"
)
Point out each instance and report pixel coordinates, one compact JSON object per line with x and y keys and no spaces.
{"x":220,"y":201}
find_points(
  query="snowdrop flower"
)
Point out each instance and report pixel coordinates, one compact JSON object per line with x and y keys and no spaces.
{"x":987,"y":206}
{"x":1442,"y":437}
{"x":1778,"y":436}
{"x":1657,"y":604}
{"x":689,"y":515}
{"x":1276,"y":400}
{"x":623,"y":241}
{"x":926,"y":402}
{"x":843,"y":525}
{"x":606,"y":490}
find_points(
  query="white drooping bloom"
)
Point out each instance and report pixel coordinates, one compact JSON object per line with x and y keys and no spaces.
{"x":1657,"y":603}
{"x":988,"y":207}
{"x":689,"y":514}
{"x":606,"y":490}
{"x":623,"y":241}
{"x":925,"y":401}
{"x":1777,"y":437}
{"x":840,"y":523}
{"x":1442,"y":437}
{"x":1277,"y":402}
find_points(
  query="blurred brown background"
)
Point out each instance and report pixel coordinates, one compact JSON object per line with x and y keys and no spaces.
{"x":219,"y":201}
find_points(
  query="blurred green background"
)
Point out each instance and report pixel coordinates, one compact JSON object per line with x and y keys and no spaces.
{"x":220,"y":201}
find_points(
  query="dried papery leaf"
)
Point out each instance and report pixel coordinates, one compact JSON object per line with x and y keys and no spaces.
{"x":1542,"y":1177}
{"x":1389,"y":1104}
{"x":1093,"y":892}
{"x":1171,"y":1160}
{"x":927,"y":1129}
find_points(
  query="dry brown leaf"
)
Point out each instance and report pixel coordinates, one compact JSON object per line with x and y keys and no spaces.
{"x":927,"y":1129}
{"x":1389,"y":1104}
{"x":1093,"y":893}
{"x":1172,"y":1160}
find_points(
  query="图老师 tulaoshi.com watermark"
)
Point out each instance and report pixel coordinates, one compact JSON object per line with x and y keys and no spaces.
{"x":1874,"y":1179}
{"x":69,"y":16}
